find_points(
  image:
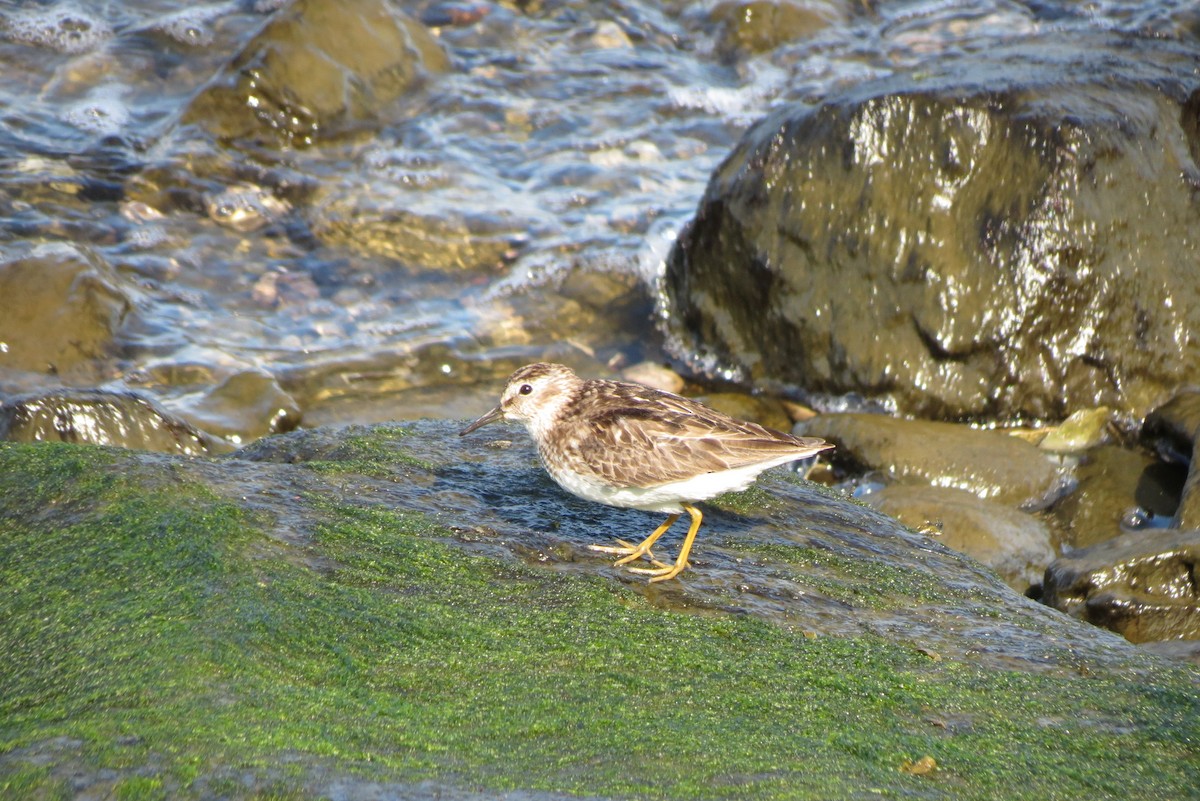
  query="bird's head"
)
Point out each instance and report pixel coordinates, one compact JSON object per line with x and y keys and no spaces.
{"x":534,"y":395}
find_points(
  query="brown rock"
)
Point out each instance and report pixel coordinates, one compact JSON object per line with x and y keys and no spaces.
{"x":992,"y":239}
{"x":245,"y":406}
{"x":1014,"y":544}
{"x":987,"y":463}
{"x":62,"y":308}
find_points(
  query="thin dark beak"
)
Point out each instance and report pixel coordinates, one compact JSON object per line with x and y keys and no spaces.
{"x":490,"y":417}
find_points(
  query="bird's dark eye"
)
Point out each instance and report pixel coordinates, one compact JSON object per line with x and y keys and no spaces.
{"x":525,"y":389}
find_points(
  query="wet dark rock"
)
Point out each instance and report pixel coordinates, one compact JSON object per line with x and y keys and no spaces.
{"x":1172,"y":428}
{"x":62,"y":309}
{"x":317,"y":68}
{"x":1013,"y":543}
{"x":100,"y":417}
{"x":1143,"y":585}
{"x":993,"y":240}
{"x":987,"y":463}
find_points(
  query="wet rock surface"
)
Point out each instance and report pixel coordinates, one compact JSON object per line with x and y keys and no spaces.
{"x":441,"y":243}
{"x":761,"y":25}
{"x":793,"y":562}
{"x":1008,"y":235}
{"x":1018,"y":546}
{"x":1106,"y":496}
{"x":1172,"y":429}
{"x":1175,"y":649}
{"x":244,"y":406}
{"x":1143,"y":585}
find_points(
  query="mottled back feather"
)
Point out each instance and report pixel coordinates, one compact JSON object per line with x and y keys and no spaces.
{"x":633,"y":436}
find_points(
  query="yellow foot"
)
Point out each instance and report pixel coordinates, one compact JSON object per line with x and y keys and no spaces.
{"x":662,"y":573}
{"x":629,"y":551}
{"x":624,"y":549}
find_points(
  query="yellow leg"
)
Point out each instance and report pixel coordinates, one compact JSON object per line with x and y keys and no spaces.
{"x":664,"y":573}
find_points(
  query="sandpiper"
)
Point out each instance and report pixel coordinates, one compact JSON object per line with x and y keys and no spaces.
{"x":640,"y":448}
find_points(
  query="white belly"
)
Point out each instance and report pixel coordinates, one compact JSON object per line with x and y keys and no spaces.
{"x":665,"y":497}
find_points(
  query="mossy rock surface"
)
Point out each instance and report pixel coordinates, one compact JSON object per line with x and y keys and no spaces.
{"x":251,"y":627}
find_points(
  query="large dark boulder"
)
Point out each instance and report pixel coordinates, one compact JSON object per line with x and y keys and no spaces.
{"x":1003,"y":235}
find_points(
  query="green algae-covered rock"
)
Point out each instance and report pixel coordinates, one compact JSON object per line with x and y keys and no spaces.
{"x":393,"y":610}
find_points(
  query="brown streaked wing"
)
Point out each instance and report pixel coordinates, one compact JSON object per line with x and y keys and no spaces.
{"x":629,"y":435}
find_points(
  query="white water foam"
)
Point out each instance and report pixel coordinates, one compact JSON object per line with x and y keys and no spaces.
{"x":66,"y":28}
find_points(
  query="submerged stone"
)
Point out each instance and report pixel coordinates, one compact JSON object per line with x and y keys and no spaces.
{"x":63,"y":307}
{"x":245,"y":406}
{"x":1107,"y":488}
{"x":318,"y":67}
{"x":749,"y":27}
{"x":372,"y":226}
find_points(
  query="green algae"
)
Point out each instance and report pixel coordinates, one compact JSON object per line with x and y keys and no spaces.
{"x":748,"y":501}
{"x":855,"y":581}
{"x":368,"y":452}
{"x":384,"y":649}
{"x":22,"y":780}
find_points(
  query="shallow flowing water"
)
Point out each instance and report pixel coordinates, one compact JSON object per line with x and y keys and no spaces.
{"x":526,"y":195}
